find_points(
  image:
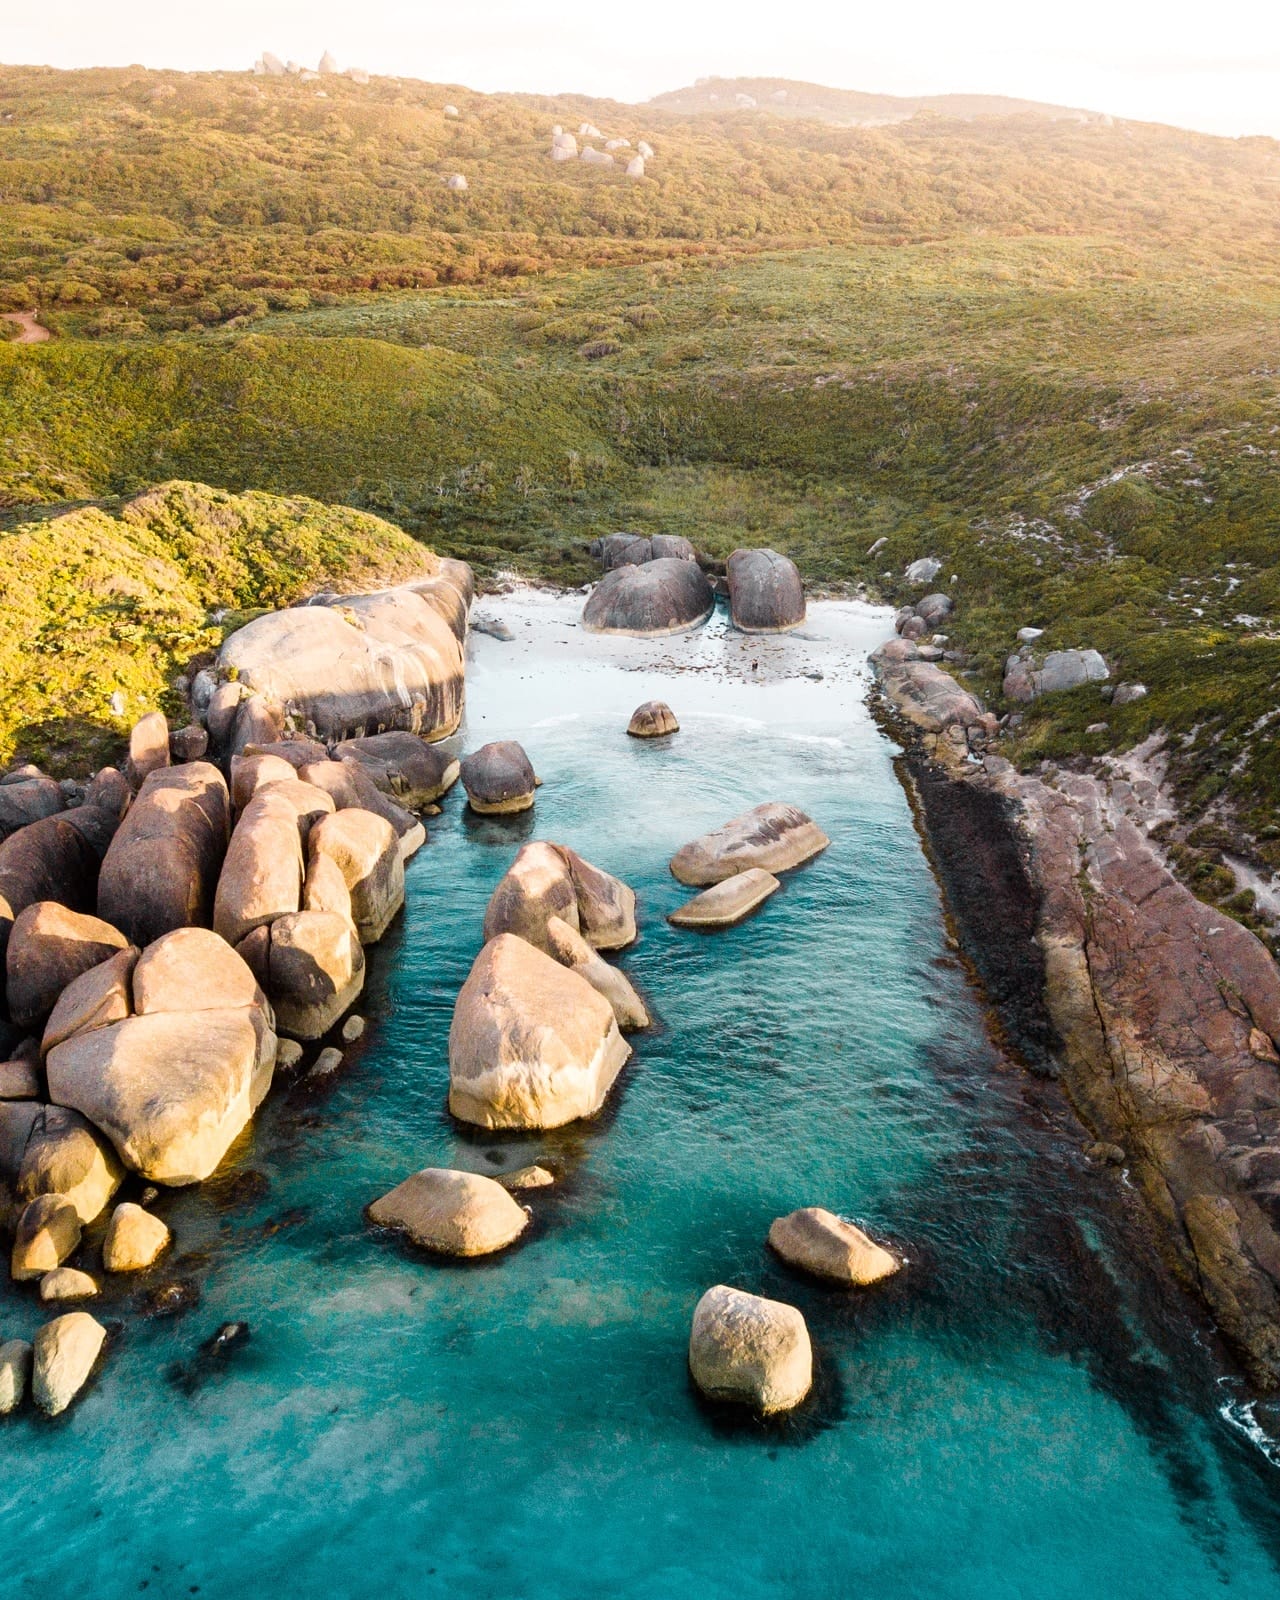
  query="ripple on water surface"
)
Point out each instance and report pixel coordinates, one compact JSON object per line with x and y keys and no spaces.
{"x":1019,"y":1413}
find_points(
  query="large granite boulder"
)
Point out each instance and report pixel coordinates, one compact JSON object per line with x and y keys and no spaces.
{"x":135,"y":1239}
{"x":928,"y":697}
{"x":606,"y":905}
{"x":55,"y":859}
{"x":570,"y":949}
{"x":48,"y":1232}
{"x":747,"y":1349}
{"x":66,"y":1156}
{"x":766,"y":594}
{"x":727,"y":902}
{"x":18,"y":1119}
{"x":402,"y":765}
{"x":358,"y":664}
{"x":499,"y":778}
{"x":49,"y":946}
{"x":254,"y":770}
{"x":652,"y":720}
{"x":1060,"y":670}
{"x":452,"y":1213}
{"x":192,"y":970}
{"x":103,"y":994}
{"x":536,"y":887}
{"x":24,"y":800}
{"x":366,"y":853}
{"x":351,"y":788}
{"x":773,"y":836}
{"x":660,"y":597}
{"x":314,"y":971}
{"x":63,"y":1358}
{"x":532,"y":1044}
{"x":262,"y":875}
{"x":162,"y":865}
{"x":823,"y":1244}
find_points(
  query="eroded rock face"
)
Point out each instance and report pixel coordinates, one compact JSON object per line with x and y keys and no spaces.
{"x":766,"y":594}
{"x":63,"y":1357}
{"x":745,"y":1348}
{"x":773,"y":836}
{"x":362,"y":663}
{"x":49,"y":946}
{"x":499,"y":778}
{"x":170,"y":1093}
{"x":727,"y":902}
{"x":452,"y":1213}
{"x":532,"y":1044}
{"x":162,"y":866}
{"x":366,"y":853}
{"x":652,"y":720}
{"x":570,"y":949}
{"x":403,"y":765}
{"x":819,"y":1242}
{"x":660,"y":597}
{"x":315,"y":971}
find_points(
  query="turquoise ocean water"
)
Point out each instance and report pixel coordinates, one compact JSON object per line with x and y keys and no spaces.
{"x":1023,"y":1412}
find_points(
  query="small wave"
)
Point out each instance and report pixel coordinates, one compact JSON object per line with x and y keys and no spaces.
{"x":555,"y":722}
{"x":1239,"y":1414}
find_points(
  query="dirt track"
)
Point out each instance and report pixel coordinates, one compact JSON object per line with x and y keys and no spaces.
{"x":29,"y":330}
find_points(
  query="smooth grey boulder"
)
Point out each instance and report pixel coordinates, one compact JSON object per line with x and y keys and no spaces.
{"x":402,"y":765}
{"x":766,"y":594}
{"x":774,"y":836}
{"x":362,"y":663}
{"x":451,"y":1213}
{"x":621,"y":550}
{"x":934,"y":609}
{"x":660,"y":597}
{"x":1128,"y":694}
{"x":162,"y":866}
{"x":747,"y":1349}
{"x":924,"y":570}
{"x":499,"y":778}
{"x":1069,"y":669}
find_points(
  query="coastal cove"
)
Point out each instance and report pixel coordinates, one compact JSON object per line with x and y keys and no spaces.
{"x":1028,"y":1408}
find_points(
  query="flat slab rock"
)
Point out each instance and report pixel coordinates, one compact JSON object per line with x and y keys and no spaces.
{"x":747,"y":1349}
{"x":773,"y":836}
{"x":819,"y":1242}
{"x":452,"y":1213}
{"x":728,"y":902}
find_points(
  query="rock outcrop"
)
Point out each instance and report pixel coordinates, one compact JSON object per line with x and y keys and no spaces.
{"x":773,"y":836}
{"x":499,"y":778}
{"x":532,"y":1044}
{"x":727,"y":902}
{"x":49,"y":946}
{"x":653,"y":720}
{"x":451,"y":1213}
{"x":659,"y":597}
{"x":365,"y":852}
{"x":352,"y":665}
{"x":766,"y":594}
{"x":403,"y":765}
{"x":823,"y":1244}
{"x":550,"y":880}
{"x":747,"y":1349}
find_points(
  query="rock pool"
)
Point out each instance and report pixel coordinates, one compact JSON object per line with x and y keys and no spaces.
{"x":1025,"y":1411}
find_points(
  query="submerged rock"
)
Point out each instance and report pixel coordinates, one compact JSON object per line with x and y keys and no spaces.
{"x":532,"y":1044}
{"x":63,"y":1358}
{"x":660,"y":597}
{"x":745,"y":1348}
{"x":773,"y":836}
{"x":766,"y":594}
{"x":499,"y":778}
{"x":652,"y":720}
{"x":727,"y":902}
{"x":526,"y":1178}
{"x":821,"y":1243}
{"x":452,"y":1213}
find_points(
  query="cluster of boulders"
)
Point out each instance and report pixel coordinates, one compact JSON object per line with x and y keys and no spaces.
{"x":564,"y":147}
{"x":660,"y":584}
{"x":269,"y":65}
{"x":923,"y":619}
{"x":950,"y":720}
{"x":161,"y":927}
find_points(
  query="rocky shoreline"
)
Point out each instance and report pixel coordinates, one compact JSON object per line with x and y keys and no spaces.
{"x":1158,"y":1013}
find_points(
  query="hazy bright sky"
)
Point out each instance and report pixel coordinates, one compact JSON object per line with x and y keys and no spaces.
{"x":1211,"y":64}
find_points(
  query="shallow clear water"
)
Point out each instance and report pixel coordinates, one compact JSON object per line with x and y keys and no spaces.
{"x":1022,"y":1412}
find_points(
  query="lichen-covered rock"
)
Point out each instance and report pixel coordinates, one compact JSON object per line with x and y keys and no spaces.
{"x":172,"y":1089}
{"x":135,"y":1239}
{"x":570,"y":949}
{"x":658,"y":597}
{"x":49,"y":946}
{"x":819,"y":1242}
{"x":102,"y":995}
{"x":48,"y":1232}
{"x":499,"y":778}
{"x":63,"y":1357}
{"x":773,"y":836}
{"x":532,"y":1045}
{"x":361,"y":663}
{"x":67,"y":1157}
{"x":652,"y":720}
{"x":745,"y":1348}
{"x":452,"y":1213}
{"x":162,"y":866}
{"x":315,"y":971}
{"x":766,"y":594}
{"x":366,"y":852}
{"x":403,"y":765}
{"x":727,"y":902}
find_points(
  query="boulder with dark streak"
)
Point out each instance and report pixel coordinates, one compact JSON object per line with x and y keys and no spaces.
{"x":659,"y":597}
{"x":499,"y":778}
{"x":57,"y":858}
{"x":774,"y":836}
{"x":766,"y":594}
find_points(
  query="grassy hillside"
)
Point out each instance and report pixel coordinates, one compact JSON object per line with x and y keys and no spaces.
{"x":96,"y":604}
